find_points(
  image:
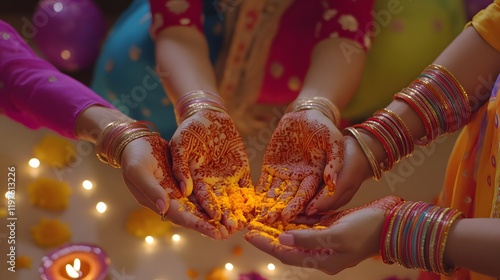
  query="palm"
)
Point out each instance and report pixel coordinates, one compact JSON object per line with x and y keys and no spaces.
{"x":303,"y":145}
{"x":181,"y":210}
{"x":333,"y":242}
{"x":209,"y":155}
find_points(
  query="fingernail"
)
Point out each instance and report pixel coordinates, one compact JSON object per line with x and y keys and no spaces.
{"x":286,"y":239}
{"x":334,"y":178}
{"x":161,"y":206}
{"x":182,"y":185}
{"x":312,"y":212}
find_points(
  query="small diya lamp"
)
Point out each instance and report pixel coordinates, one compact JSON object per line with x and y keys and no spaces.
{"x":75,"y":261}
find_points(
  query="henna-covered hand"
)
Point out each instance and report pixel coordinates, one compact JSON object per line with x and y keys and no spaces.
{"x":335,"y":242}
{"x":354,"y":172}
{"x":210,"y":161}
{"x":179,"y":209}
{"x":305,"y":152}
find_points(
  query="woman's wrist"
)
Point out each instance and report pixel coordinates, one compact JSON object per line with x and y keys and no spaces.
{"x":410,"y":117}
{"x":93,"y":120}
{"x":195,"y":101}
{"x":321,"y":104}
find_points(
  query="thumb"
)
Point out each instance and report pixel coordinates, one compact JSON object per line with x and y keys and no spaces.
{"x":334,"y":160}
{"x":310,"y":239}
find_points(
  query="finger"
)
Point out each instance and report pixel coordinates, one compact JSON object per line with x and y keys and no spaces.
{"x":192,"y":206}
{"x":290,"y":189}
{"x":286,"y":254}
{"x":228,"y":219}
{"x":305,"y":193}
{"x":245,"y":180}
{"x":264,"y":182}
{"x":340,"y":201}
{"x":334,"y":160}
{"x":246,"y":201}
{"x":144,"y":181}
{"x":207,"y":199}
{"x":139,"y":196}
{"x":258,"y":226}
{"x":311,"y":239}
{"x":269,"y":199}
{"x":324,"y":201}
{"x":267,"y":243}
{"x":185,"y":215}
{"x":180,"y":169}
{"x":307,"y":220}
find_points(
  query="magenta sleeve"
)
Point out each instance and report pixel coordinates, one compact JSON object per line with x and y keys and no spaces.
{"x":35,"y":93}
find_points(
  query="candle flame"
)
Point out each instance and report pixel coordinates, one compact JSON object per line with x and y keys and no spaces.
{"x":74,"y":270}
{"x":76,"y":264}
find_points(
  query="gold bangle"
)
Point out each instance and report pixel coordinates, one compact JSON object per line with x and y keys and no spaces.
{"x":105,"y":131}
{"x":197,"y":107}
{"x":443,"y":268}
{"x":393,"y":150}
{"x":116,"y":160}
{"x":432,"y":247}
{"x":191,"y":99}
{"x":377,"y":173}
{"x":114,"y":138}
{"x":322,"y":104}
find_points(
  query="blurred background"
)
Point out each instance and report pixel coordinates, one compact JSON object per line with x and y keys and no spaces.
{"x":102,"y":212}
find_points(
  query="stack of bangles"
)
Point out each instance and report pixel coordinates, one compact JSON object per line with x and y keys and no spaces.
{"x":440,"y":101}
{"x":195,"y":101}
{"x":414,"y":235}
{"x":117,"y":135}
{"x":325,"y":106}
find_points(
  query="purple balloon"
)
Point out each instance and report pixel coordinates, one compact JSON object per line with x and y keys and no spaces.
{"x":68,"y":32}
{"x":474,"y":6}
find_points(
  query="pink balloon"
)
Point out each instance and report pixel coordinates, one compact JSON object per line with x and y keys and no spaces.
{"x":67,"y":32}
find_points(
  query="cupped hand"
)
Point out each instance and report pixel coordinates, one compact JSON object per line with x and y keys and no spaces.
{"x":148,"y":176}
{"x":354,"y":172}
{"x":210,"y":162}
{"x":305,"y":152}
{"x":335,"y":242}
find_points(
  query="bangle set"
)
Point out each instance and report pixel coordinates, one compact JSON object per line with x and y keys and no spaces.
{"x":195,"y":101}
{"x":414,"y":235}
{"x":322,"y":104}
{"x":377,"y":170}
{"x":441,"y":103}
{"x":117,"y":135}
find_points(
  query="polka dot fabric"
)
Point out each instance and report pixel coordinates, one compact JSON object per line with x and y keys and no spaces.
{"x":175,"y":13}
{"x":347,"y":19}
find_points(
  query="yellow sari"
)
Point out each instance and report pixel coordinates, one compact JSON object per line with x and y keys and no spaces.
{"x":472,"y":179}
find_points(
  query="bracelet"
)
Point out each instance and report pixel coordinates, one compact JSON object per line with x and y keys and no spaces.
{"x":377,"y":173}
{"x":322,"y":104}
{"x":440,"y":100}
{"x":414,"y":235}
{"x":195,"y":101}
{"x":117,"y":135}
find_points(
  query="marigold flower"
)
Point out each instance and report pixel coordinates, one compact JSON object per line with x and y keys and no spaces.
{"x":49,"y":194}
{"x":50,"y":233}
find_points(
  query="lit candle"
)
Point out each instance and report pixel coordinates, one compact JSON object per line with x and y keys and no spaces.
{"x":75,"y":261}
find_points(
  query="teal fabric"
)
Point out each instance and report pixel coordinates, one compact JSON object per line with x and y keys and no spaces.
{"x":125,"y":71}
